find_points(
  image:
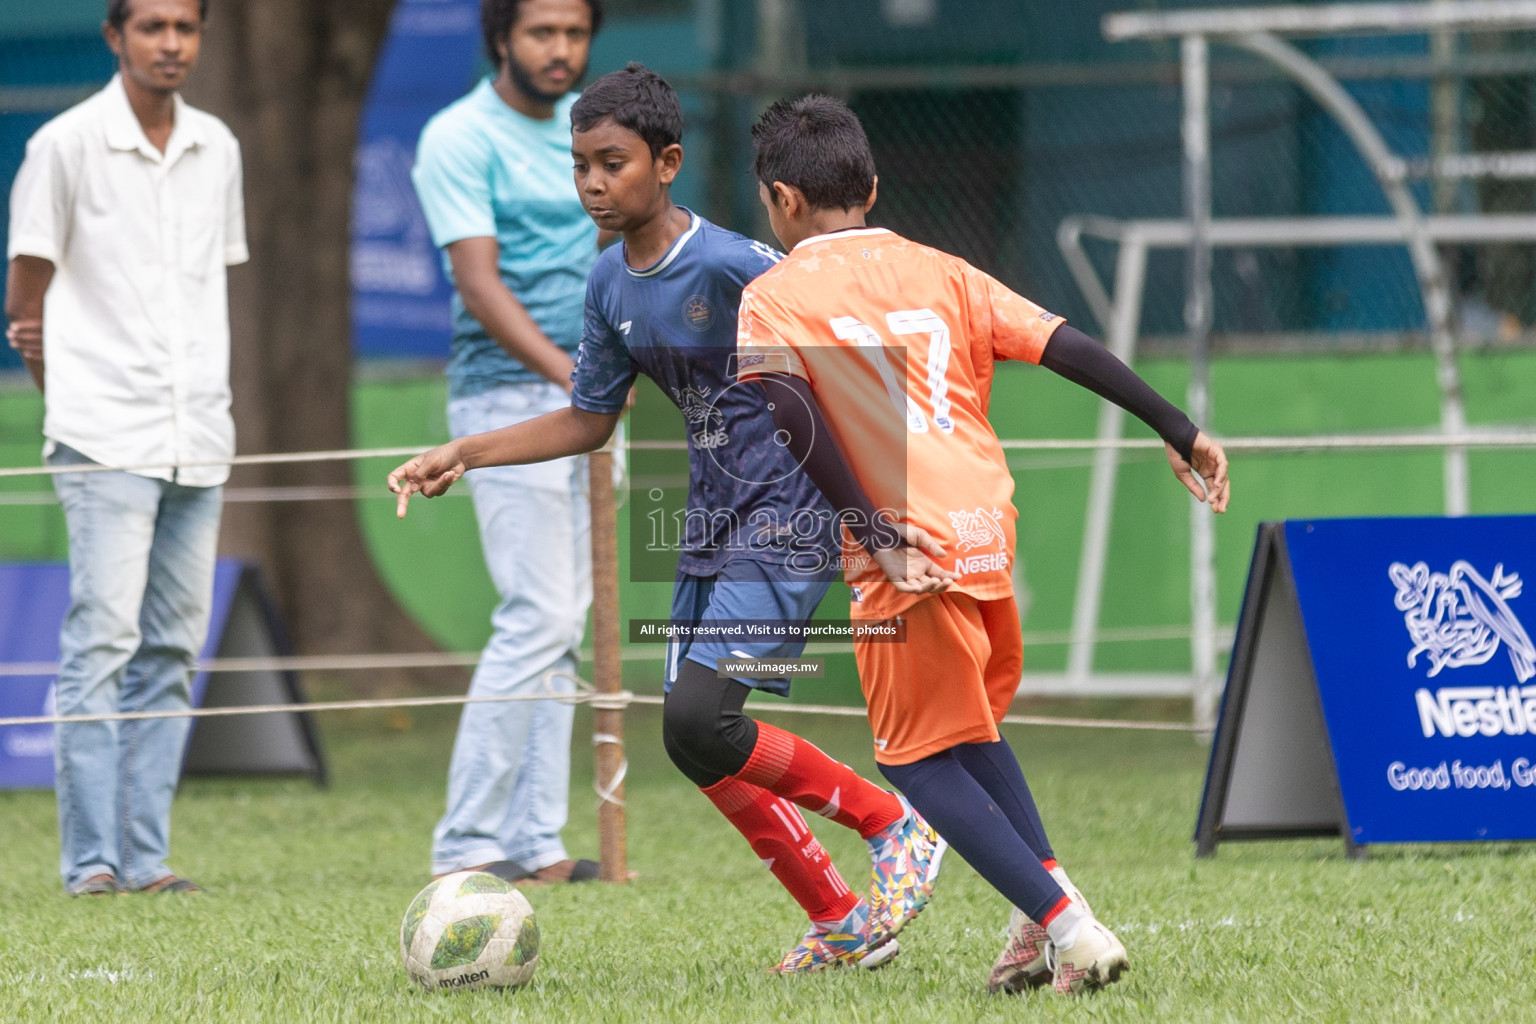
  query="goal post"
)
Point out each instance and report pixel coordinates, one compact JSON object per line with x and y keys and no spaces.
{"x":1263,"y":32}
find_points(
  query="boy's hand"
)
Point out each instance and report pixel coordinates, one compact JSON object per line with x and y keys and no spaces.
{"x":430,"y":473}
{"x":911,"y":567}
{"x":1209,"y":461}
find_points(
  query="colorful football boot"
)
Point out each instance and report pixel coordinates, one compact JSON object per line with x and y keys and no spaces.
{"x":846,"y":943}
{"x":905,"y":858}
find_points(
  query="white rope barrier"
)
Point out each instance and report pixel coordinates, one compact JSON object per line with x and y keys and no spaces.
{"x":1512,"y":437}
{"x":276,"y":459}
{"x":581,"y":692}
{"x":236,"y":711}
{"x":1149,"y":448}
{"x":291,"y":663}
{"x":609,"y":794}
{"x":584,"y":694}
{"x":1503,"y":437}
{"x":1072,"y":723}
{"x":468,"y":659}
{"x":246,"y":495}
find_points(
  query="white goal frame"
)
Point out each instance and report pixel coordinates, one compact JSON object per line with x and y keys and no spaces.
{"x":1259,"y":31}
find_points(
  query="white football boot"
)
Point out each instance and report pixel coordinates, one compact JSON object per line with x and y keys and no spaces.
{"x":1095,"y":959}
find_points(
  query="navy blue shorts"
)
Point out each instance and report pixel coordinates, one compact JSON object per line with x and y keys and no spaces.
{"x":743,"y":589}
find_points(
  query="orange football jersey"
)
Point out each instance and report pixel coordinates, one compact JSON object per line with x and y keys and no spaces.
{"x":898,"y":342}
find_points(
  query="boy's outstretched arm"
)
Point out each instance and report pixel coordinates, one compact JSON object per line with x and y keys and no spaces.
{"x":1199,"y":462}
{"x":554,"y":435}
{"x":905,"y":553}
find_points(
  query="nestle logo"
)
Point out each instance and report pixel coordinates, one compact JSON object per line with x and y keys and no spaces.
{"x":981,"y":563}
{"x":1477,"y":710}
{"x":1460,"y":618}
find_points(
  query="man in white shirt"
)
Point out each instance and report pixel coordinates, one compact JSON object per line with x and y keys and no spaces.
{"x":124,"y":215}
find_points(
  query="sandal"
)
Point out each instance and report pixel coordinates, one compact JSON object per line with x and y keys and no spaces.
{"x":584,"y":871}
{"x":97,"y":885}
{"x":512,"y":871}
{"x":581,"y":871}
{"x":507,"y":870}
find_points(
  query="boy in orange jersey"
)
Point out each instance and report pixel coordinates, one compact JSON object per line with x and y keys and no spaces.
{"x":903,"y":430}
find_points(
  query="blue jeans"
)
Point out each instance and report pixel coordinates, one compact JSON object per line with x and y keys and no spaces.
{"x":141,"y":558}
{"x":509,"y":780}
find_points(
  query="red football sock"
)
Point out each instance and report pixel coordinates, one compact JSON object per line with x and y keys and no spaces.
{"x":797,"y":770}
{"x":782,"y":839}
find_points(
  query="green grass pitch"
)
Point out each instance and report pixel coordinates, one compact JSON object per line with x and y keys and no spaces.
{"x":307,"y":888}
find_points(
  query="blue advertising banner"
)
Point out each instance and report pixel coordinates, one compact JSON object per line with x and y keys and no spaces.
{"x":400,"y":295}
{"x":33,"y":600}
{"x":1425,"y":670}
{"x":1382,"y":686}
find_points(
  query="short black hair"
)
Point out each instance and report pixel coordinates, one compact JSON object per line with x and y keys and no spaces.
{"x":636,"y":98}
{"x":816,"y":144}
{"x":117,"y":12}
{"x":498,"y":16}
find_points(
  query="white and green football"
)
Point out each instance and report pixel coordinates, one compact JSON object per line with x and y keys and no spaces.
{"x":469,"y":930}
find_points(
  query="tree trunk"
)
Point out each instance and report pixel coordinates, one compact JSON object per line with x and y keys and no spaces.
{"x":289,"y":77}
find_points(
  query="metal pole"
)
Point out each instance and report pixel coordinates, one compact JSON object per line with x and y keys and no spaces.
{"x":1444,"y":111}
{"x":781,"y":52}
{"x":607,"y":671}
{"x":1195,"y":56}
{"x":1123,"y":325}
{"x":1325,"y":19}
{"x":1331,"y":96}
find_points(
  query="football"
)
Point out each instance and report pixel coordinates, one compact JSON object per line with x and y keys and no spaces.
{"x":469,"y":930}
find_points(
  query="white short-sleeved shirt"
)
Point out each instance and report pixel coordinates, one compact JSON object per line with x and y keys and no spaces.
{"x":136,"y":320}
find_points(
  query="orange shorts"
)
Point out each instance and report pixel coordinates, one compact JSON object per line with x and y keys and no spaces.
{"x":950,"y":682}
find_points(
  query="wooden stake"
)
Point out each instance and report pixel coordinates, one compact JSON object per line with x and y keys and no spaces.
{"x":607,"y":672}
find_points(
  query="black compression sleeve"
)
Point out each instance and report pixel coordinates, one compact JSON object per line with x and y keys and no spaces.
{"x":1080,"y":359}
{"x":810,"y":441}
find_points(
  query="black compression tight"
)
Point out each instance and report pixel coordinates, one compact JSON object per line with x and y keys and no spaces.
{"x":703,"y":727}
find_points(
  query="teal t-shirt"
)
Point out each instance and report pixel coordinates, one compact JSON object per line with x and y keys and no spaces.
{"x":484,"y":170}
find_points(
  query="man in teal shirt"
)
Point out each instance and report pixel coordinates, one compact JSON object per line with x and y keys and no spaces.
{"x":493,"y":173}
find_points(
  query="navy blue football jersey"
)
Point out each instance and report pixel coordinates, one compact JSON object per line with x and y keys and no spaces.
{"x":675,"y":322}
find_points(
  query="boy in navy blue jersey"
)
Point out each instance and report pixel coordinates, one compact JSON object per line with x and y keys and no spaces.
{"x":761,"y":541}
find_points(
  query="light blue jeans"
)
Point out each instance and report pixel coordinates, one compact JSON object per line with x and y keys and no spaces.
{"x":509,"y":780}
{"x":141,"y":559}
